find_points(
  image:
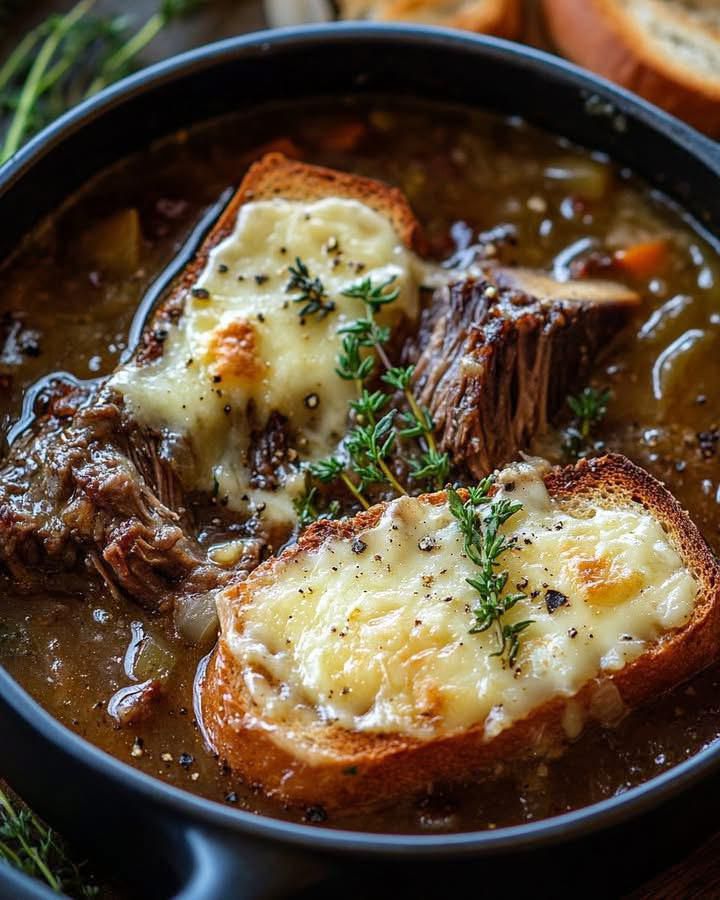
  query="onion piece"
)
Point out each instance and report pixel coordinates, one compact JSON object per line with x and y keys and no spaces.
{"x":134,"y":702}
{"x":113,"y":245}
{"x":583,"y":177}
{"x":196,"y":617}
{"x":671,"y":366}
{"x":154,"y":660}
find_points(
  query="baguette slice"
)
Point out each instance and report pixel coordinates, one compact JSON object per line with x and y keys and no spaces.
{"x":275,"y":174}
{"x":498,"y":17}
{"x":413,"y":725}
{"x":668,"y":51}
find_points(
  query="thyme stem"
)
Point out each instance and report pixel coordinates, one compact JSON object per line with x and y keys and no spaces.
{"x":20,"y":54}
{"x":31,"y":88}
{"x":120,"y":59}
{"x":417,"y":412}
{"x":345,"y":478}
{"x":480,"y":518}
{"x":394,"y":483}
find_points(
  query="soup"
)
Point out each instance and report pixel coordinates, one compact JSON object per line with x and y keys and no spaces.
{"x":76,"y":300}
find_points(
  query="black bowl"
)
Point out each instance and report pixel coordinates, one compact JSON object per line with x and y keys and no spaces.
{"x":163,"y":840}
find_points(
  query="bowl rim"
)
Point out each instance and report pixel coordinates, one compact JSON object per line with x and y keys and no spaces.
{"x":577,"y":823}
{"x":269,"y":41}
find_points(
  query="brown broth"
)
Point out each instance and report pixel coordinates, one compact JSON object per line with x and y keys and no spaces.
{"x":455,"y":166}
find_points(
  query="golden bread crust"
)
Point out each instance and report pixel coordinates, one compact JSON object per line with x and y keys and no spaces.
{"x":275,"y":174}
{"x":502,"y":18}
{"x":600,"y":36}
{"x":356,"y":769}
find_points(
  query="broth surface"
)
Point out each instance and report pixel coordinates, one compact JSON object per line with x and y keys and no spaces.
{"x":66,"y":308}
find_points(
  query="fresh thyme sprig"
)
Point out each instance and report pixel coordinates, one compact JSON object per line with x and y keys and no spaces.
{"x":311,"y":290}
{"x":432,"y":466}
{"x":480,"y":518}
{"x":589,"y":408}
{"x":374,"y":296}
{"x":352,"y":366}
{"x":29,"y":845}
{"x":372,"y":441}
{"x":370,"y":447}
{"x":307,"y":509}
{"x":332,"y":469}
{"x":119,"y":63}
{"x":369,"y":405}
{"x":68,"y":57}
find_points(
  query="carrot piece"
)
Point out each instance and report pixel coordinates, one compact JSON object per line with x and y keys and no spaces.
{"x":344,"y":136}
{"x":642,"y":260}
{"x":284,"y":145}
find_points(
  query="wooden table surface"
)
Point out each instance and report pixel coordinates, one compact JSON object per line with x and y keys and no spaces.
{"x":697,"y":874}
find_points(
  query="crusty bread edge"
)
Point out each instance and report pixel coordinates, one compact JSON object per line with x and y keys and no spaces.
{"x":275,"y":175}
{"x":351,"y":769}
{"x":595,"y":34}
{"x":503,"y":18}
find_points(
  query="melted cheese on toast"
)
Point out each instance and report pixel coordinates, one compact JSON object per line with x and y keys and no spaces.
{"x":372,"y":633}
{"x":241,"y":351}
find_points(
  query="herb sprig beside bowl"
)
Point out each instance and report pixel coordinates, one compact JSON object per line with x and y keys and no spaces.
{"x":29,"y":845}
{"x":69,"y":57}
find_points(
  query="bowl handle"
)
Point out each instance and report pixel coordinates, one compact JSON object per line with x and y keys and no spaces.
{"x":220,"y":866}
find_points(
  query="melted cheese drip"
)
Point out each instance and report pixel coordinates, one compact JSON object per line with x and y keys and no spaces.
{"x":374,"y":635}
{"x":248,"y":334}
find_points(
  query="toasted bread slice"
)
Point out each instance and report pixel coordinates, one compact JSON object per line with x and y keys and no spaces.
{"x":499,"y":17}
{"x":668,"y":51}
{"x":277,"y":175}
{"x":237,"y":367}
{"x":346,"y":672}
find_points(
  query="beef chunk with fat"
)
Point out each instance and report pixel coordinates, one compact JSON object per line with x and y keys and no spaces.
{"x":497,"y":357}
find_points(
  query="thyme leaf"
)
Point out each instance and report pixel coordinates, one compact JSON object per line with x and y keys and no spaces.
{"x":369,"y":447}
{"x":374,"y":295}
{"x":311,"y":290}
{"x":307,"y":509}
{"x":27,"y":844}
{"x":326,"y":470}
{"x":351,"y":365}
{"x":432,"y":466}
{"x":368,"y":405}
{"x":589,"y":409}
{"x":70,"y":56}
{"x":480,"y":518}
{"x":372,"y":443}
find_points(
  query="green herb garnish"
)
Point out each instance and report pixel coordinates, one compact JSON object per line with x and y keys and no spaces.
{"x":331,"y":469}
{"x":432,"y":466}
{"x":375,"y":296}
{"x":374,"y":442}
{"x":370,"y":447}
{"x":29,"y":845}
{"x":589,"y":409}
{"x":307,"y":510}
{"x":351,"y":365}
{"x":69,"y":57}
{"x":311,"y":290}
{"x":480,"y":518}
